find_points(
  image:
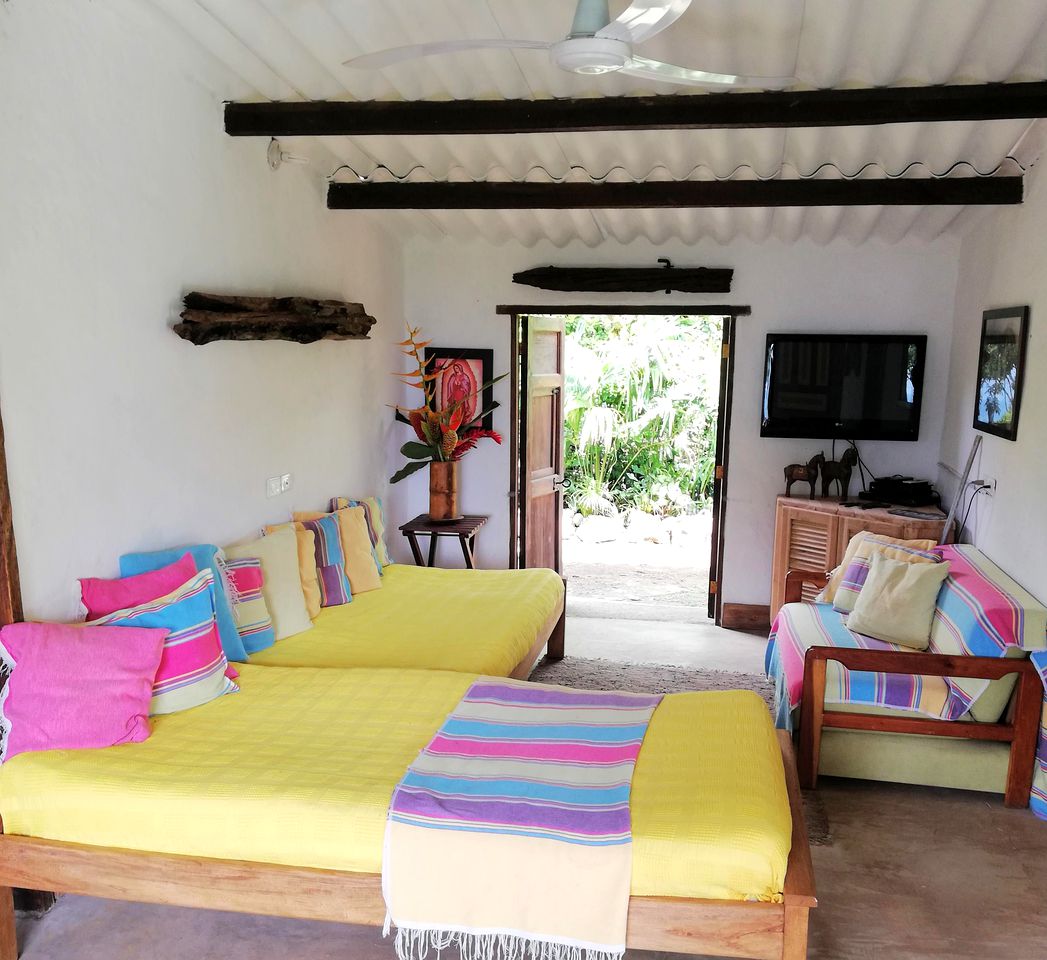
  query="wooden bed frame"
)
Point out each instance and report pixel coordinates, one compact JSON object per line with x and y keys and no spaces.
{"x":724,"y":928}
{"x":1021,"y":727}
{"x":550,"y":638}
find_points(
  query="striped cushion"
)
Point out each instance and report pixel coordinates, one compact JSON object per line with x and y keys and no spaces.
{"x":856,"y":572}
{"x":375,"y":515}
{"x":249,"y":606}
{"x":330,"y":562}
{"x":192,"y":666}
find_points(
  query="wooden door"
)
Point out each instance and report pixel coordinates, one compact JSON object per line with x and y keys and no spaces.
{"x":723,"y":434}
{"x":540,"y":442}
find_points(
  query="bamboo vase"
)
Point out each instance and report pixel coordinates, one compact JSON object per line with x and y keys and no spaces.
{"x":443,"y":491}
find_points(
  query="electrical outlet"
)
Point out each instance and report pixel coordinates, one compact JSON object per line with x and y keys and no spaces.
{"x":989,"y":487}
{"x":286,"y":482}
{"x":272,"y":487}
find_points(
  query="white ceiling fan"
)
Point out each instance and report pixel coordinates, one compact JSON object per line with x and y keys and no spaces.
{"x":596,"y":44}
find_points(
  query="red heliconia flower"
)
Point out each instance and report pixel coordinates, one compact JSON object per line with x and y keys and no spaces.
{"x":415,"y":417}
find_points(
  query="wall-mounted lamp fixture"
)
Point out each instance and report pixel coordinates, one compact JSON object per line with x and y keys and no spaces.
{"x":277,"y":156}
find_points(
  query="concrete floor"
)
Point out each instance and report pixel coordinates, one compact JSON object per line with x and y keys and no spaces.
{"x":696,"y":644}
{"x":913,"y":874}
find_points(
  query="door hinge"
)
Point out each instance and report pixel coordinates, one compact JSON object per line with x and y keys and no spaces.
{"x":720,"y":472}
{"x":713,"y":586}
{"x":725,"y":351}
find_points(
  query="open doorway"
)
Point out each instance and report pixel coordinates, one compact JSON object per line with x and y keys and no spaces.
{"x":619,"y":455}
{"x":641,"y":404}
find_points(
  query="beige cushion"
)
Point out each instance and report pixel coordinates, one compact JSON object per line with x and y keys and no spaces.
{"x":306,"y":565}
{"x":282,"y":588}
{"x":897,"y":602}
{"x":828,"y":595}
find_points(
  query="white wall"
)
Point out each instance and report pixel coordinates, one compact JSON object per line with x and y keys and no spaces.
{"x":118,"y":192}
{"x":452,"y":289}
{"x":1003,"y":263}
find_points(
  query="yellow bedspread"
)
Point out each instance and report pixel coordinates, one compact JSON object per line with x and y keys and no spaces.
{"x":298,"y":768}
{"x":473,"y":621}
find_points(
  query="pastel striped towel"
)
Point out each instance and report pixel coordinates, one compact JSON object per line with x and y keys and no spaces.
{"x":510,"y":835}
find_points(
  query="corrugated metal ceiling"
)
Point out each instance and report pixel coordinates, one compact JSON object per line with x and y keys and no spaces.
{"x":293,"y":49}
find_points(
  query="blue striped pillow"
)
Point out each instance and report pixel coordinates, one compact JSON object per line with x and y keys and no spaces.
{"x":330,"y":562}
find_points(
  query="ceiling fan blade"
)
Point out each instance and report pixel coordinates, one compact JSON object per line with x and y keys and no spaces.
{"x":671,"y":73}
{"x":386,"y":58}
{"x":642,"y":19}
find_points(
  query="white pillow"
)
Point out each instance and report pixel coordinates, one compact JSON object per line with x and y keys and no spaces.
{"x":897,"y":602}
{"x":282,"y":586}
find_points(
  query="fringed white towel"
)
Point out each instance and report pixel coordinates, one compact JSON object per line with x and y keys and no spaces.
{"x":510,"y":835}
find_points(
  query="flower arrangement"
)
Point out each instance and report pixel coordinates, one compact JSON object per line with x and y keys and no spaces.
{"x":443,"y":435}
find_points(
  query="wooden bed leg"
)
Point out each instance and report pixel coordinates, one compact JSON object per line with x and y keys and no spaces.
{"x":794,"y":940}
{"x":1028,"y":702}
{"x":812,"y":706}
{"x":554,"y":649}
{"x":8,"y":943}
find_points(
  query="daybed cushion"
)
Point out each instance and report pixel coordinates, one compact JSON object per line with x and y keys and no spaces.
{"x":299,"y":768}
{"x":478,"y":621}
{"x":193,"y":668}
{"x":897,"y":602}
{"x":100,"y":597}
{"x":282,"y":586}
{"x":204,"y":556}
{"x":75,"y":687}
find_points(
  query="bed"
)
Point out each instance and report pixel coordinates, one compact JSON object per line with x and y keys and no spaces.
{"x":491,"y":622}
{"x":273,"y":801}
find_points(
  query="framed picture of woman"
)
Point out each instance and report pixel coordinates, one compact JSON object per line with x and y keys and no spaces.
{"x":1001,"y":371}
{"x":460,"y":376}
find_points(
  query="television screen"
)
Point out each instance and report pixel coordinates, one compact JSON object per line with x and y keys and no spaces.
{"x":847,"y":387}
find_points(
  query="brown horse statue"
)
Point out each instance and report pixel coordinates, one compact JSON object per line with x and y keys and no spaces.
{"x":804,"y":472}
{"x":840,"y":471}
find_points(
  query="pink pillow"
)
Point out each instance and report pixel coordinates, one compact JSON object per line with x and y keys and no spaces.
{"x":102,"y":597}
{"x":76,"y":687}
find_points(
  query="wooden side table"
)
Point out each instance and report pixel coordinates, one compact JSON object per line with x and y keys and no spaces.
{"x":465,"y":530}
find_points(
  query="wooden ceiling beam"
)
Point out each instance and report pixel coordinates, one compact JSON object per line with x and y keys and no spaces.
{"x":681,"y":193}
{"x":805,"y":108}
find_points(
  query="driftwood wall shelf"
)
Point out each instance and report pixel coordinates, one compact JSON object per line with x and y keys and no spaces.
{"x":629,"y":279}
{"x":212,"y":316}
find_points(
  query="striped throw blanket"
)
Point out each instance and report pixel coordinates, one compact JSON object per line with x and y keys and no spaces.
{"x":980,"y":612}
{"x":510,"y":835}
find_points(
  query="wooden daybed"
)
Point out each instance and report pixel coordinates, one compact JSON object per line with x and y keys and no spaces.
{"x":727,"y":928}
{"x":126,"y":826}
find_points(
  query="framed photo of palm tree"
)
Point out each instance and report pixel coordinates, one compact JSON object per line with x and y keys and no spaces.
{"x":1001,"y":371}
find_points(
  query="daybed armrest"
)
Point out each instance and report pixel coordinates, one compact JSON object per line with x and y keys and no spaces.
{"x":1021,"y":731}
{"x":795,"y":579}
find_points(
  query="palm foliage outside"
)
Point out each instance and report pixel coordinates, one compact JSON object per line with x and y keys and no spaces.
{"x":640,"y":412}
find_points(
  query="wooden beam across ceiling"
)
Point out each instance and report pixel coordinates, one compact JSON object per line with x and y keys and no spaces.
{"x":804,"y":108}
{"x":486,"y":195}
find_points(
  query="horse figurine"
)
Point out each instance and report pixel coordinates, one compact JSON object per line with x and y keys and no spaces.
{"x":804,"y":472}
{"x":840,"y":471}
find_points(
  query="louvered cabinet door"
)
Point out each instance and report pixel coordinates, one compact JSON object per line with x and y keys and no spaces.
{"x":804,"y":539}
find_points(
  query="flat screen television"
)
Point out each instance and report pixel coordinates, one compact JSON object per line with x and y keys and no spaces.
{"x":843,"y":386}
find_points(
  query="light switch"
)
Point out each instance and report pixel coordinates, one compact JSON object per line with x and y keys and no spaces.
{"x":272,"y":487}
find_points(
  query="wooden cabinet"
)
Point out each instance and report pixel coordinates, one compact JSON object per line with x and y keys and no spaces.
{"x":813,"y":535}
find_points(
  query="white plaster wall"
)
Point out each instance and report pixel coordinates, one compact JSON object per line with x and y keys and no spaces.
{"x":453,"y":288}
{"x":118,"y":192}
{"x":1003,"y":263}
